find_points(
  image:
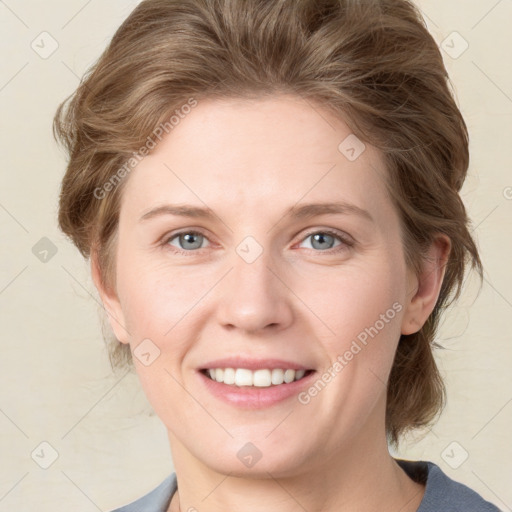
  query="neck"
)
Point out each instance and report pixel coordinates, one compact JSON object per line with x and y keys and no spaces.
{"x":360,"y":476}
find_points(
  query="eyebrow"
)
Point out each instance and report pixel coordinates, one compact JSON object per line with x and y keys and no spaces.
{"x":305,"y":211}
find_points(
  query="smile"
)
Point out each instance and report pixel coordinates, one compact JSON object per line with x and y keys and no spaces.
{"x":261,"y":378}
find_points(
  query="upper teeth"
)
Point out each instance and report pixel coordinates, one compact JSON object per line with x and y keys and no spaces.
{"x":260,"y":378}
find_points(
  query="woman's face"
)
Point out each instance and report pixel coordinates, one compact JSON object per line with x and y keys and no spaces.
{"x":223,"y":262}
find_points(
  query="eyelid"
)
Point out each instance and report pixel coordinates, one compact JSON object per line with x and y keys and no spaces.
{"x":170,"y":236}
{"x":345,"y":239}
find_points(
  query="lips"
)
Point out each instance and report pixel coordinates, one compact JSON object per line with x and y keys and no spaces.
{"x":254,"y":364}
{"x":254,"y":383}
{"x":253,"y":396}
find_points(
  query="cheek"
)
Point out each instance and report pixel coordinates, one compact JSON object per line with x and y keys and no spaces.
{"x":363,"y":307}
{"x":354,"y":298}
{"x":159,"y":304}
{"x":155,"y":297}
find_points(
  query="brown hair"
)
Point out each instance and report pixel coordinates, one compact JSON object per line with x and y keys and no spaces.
{"x":372,"y":62}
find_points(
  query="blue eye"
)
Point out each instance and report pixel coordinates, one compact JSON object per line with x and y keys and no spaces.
{"x":322,"y":241}
{"x":188,"y":240}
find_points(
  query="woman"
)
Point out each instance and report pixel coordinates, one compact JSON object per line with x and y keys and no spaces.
{"x":214,"y":148}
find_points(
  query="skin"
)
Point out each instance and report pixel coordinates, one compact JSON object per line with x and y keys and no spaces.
{"x":249,"y":161}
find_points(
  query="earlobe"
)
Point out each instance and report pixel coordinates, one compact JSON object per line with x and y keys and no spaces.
{"x":110,"y":301}
{"x":425,"y":288}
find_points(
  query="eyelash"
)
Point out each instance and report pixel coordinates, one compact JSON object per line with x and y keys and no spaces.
{"x":346,"y":242}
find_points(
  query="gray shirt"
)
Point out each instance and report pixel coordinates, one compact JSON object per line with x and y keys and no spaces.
{"x":442,"y":494}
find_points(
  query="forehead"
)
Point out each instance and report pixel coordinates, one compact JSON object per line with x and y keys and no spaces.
{"x":268,"y":153}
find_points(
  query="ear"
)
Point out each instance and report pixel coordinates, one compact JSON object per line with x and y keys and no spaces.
{"x":110,"y":301}
{"x":424,"y":289}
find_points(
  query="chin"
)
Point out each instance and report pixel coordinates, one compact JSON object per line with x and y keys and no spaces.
{"x":256,"y":460}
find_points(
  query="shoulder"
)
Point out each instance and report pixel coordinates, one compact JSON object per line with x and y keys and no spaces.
{"x":442,"y":492}
{"x":157,"y":500}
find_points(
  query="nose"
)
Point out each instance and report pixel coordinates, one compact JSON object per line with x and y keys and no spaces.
{"x":254,"y":296}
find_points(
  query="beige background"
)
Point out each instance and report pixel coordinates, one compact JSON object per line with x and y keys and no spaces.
{"x":56,"y":385}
